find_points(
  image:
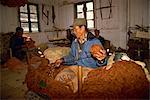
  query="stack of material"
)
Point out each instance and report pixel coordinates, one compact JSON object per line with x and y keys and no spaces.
{"x":41,"y":80}
{"x":123,"y":80}
{"x":52,"y":54}
{"x":14,"y":63}
{"x":29,"y":43}
{"x":4,"y":46}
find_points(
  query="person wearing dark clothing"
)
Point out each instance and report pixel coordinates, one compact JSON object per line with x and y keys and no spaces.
{"x":70,"y":36}
{"x":97,"y":34}
{"x":17,"y":44}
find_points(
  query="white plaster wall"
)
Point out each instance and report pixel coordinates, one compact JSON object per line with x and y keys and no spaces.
{"x":0,"y":18}
{"x":47,"y":7}
{"x":123,"y":19}
{"x":66,"y":16}
{"x":149,"y":19}
{"x":149,"y":13}
{"x":43,"y":22}
{"x":39,"y":38}
{"x":9,"y":16}
{"x":110,"y":28}
{"x":115,"y":28}
{"x":9,"y":19}
{"x":139,"y":12}
{"x":44,"y":37}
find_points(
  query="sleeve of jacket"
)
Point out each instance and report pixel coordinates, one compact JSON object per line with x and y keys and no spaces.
{"x":103,"y":62}
{"x":70,"y":58}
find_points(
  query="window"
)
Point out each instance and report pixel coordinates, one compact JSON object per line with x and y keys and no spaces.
{"x":86,"y":10}
{"x":28,"y":17}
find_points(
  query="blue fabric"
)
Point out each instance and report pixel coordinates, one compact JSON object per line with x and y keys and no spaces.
{"x":84,"y":57}
{"x":16,"y":44}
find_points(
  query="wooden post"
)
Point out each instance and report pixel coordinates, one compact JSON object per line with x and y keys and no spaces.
{"x":79,"y":79}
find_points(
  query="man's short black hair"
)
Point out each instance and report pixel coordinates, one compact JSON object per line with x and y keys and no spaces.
{"x":19,"y":29}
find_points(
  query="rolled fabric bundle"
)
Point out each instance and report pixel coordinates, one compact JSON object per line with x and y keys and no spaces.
{"x":52,"y":54}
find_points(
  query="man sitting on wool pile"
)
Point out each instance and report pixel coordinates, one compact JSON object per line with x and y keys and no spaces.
{"x":80,"y":49}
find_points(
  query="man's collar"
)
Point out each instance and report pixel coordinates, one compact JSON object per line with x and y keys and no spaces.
{"x":83,"y":40}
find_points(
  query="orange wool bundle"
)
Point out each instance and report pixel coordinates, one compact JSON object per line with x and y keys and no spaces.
{"x":125,"y":80}
{"x":41,"y":80}
{"x":14,"y":63}
{"x":96,"y":48}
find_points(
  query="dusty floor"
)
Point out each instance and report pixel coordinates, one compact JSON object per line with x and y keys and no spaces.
{"x":12,"y":84}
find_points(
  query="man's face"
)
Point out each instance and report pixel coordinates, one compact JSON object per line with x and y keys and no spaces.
{"x":79,"y":32}
{"x":19,"y":33}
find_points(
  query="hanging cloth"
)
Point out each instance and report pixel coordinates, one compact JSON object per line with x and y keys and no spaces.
{"x":53,"y":14}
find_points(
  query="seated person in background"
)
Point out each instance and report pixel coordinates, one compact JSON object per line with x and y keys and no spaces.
{"x":70,"y":35}
{"x":81,"y":53}
{"x":97,"y":34}
{"x":17,"y":44}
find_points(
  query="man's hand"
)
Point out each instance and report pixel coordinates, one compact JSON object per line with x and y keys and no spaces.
{"x":58,"y":62}
{"x":98,"y":51}
{"x":100,"y":55}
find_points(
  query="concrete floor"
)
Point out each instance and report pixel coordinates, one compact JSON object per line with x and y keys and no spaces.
{"x":12,"y":84}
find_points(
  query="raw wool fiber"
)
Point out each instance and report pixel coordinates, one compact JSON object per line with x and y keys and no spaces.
{"x":34,"y":59}
{"x":42,"y":47}
{"x":124,"y":80}
{"x":96,"y":48}
{"x":41,"y":80}
{"x":14,"y":63}
{"x":69,"y":75}
{"x":52,"y":54}
{"x":34,"y":62}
